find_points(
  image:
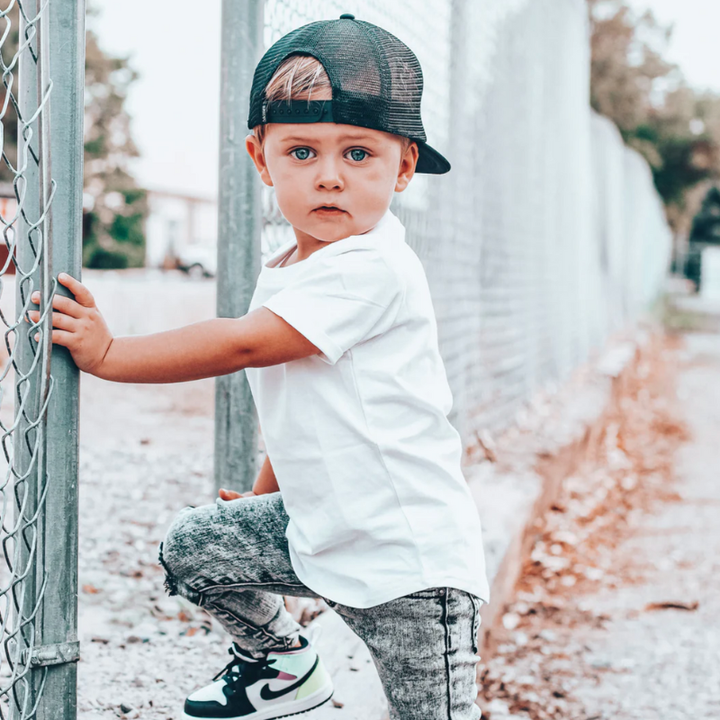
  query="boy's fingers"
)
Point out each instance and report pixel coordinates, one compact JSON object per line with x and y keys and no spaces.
{"x":60,"y":320}
{"x":66,"y":305}
{"x":229,"y":494}
{"x":232,"y":495}
{"x":59,"y":337}
{"x":81,"y":293}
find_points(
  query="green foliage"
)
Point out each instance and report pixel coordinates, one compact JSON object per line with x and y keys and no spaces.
{"x":113,"y":226}
{"x":102,"y":259}
{"x":114,"y":234}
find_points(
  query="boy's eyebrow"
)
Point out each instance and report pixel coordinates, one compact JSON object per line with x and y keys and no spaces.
{"x":361,"y":136}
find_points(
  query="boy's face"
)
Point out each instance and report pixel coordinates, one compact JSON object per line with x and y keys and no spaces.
{"x":316,"y":165}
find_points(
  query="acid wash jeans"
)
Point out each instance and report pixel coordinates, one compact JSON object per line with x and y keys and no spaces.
{"x":231,"y":558}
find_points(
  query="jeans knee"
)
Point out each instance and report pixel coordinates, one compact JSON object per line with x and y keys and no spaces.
{"x":171,"y":582}
{"x":175,"y":554}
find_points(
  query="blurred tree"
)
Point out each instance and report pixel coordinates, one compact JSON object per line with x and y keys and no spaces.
{"x":674,"y":127}
{"x":115,"y":207}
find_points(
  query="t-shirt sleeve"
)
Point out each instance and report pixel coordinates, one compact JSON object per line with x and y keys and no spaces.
{"x":341,"y":300}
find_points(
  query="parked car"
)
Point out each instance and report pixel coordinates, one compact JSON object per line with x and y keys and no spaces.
{"x":198,"y":261}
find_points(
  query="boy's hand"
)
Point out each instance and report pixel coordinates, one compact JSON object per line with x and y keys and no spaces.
{"x":232,"y":495}
{"x":80,"y":326}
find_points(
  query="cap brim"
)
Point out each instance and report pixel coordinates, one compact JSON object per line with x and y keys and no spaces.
{"x":430,"y":160}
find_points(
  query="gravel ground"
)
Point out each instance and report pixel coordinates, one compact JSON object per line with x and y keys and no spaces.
{"x":146,"y":451}
{"x":142,"y":652}
{"x":615,"y":615}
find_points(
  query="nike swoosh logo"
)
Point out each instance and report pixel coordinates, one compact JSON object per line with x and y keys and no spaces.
{"x":267,"y":694}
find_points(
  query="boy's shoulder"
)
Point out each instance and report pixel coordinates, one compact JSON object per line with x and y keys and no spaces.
{"x":391,"y":246}
{"x":391,"y":253}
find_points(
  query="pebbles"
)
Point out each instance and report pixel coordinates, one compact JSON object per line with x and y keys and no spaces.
{"x":142,"y":651}
{"x":541,"y":662}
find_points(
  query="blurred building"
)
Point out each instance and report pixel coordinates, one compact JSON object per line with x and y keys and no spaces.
{"x":181,"y":229}
{"x":179,"y":225}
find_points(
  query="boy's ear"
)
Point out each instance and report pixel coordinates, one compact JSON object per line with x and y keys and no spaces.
{"x":408,"y":163}
{"x":252,"y":145}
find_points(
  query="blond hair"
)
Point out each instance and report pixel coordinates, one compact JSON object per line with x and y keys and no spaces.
{"x":301,"y":77}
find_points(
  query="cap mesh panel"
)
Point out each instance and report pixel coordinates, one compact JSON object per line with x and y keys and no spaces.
{"x":377,"y":80}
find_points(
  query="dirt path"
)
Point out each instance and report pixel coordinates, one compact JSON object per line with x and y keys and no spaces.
{"x":616,"y":614}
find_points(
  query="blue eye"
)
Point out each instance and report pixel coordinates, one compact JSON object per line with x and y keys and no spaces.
{"x":303,"y":153}
{"x":354,"y":156}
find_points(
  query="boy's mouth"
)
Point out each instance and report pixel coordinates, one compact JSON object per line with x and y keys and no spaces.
{"x":328,"y":210}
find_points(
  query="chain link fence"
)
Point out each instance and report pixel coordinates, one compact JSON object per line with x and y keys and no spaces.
{"x":25,"y":229}
{"x":38,"y":589}
{"x":547,"y":235}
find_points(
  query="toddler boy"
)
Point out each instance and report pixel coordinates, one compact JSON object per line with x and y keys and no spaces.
{"x":361,"y":500}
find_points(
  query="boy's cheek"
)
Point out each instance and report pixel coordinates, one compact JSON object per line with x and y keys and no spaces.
{"x":291,"y":206}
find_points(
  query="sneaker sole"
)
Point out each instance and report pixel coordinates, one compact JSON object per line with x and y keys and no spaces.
{"x":318,"y":698}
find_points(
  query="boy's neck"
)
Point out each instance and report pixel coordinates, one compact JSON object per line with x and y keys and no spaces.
{"x":307,"y":245}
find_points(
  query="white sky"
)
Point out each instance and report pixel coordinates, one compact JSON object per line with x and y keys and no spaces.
{"x":174,"y":103}
{"x":694,"y":45}
{"x":176,"y":48}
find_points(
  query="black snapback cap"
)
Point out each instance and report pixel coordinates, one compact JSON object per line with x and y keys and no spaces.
{"x":376,"y":80}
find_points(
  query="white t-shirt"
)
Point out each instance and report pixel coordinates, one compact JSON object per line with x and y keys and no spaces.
{"x":368,"y":464}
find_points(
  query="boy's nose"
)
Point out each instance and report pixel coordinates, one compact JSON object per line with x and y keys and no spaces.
{"x":329,"y":177}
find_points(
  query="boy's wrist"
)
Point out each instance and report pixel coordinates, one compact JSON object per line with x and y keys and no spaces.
{"x":101,"y":368}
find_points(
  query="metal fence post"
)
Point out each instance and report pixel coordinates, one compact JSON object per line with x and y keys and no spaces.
{"x":239,"y":229}
{"x":60,"y":547}
{"x":43,"y":644}
{"x":31,"y":361}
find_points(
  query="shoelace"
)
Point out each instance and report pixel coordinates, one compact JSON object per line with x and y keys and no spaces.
{"x":239,"y":668}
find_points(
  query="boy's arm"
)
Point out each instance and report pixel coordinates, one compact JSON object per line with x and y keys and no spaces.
{"x":266,"y":481}
{"x":205,"y":349}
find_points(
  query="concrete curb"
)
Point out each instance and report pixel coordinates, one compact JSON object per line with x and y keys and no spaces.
{"x":530,"y":466}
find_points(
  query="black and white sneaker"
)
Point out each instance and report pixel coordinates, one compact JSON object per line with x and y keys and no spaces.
{"x":283,"y":683}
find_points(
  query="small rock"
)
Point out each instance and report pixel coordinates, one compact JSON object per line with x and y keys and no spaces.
{"x":510,"y":620}
{"x":498,"y":706}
